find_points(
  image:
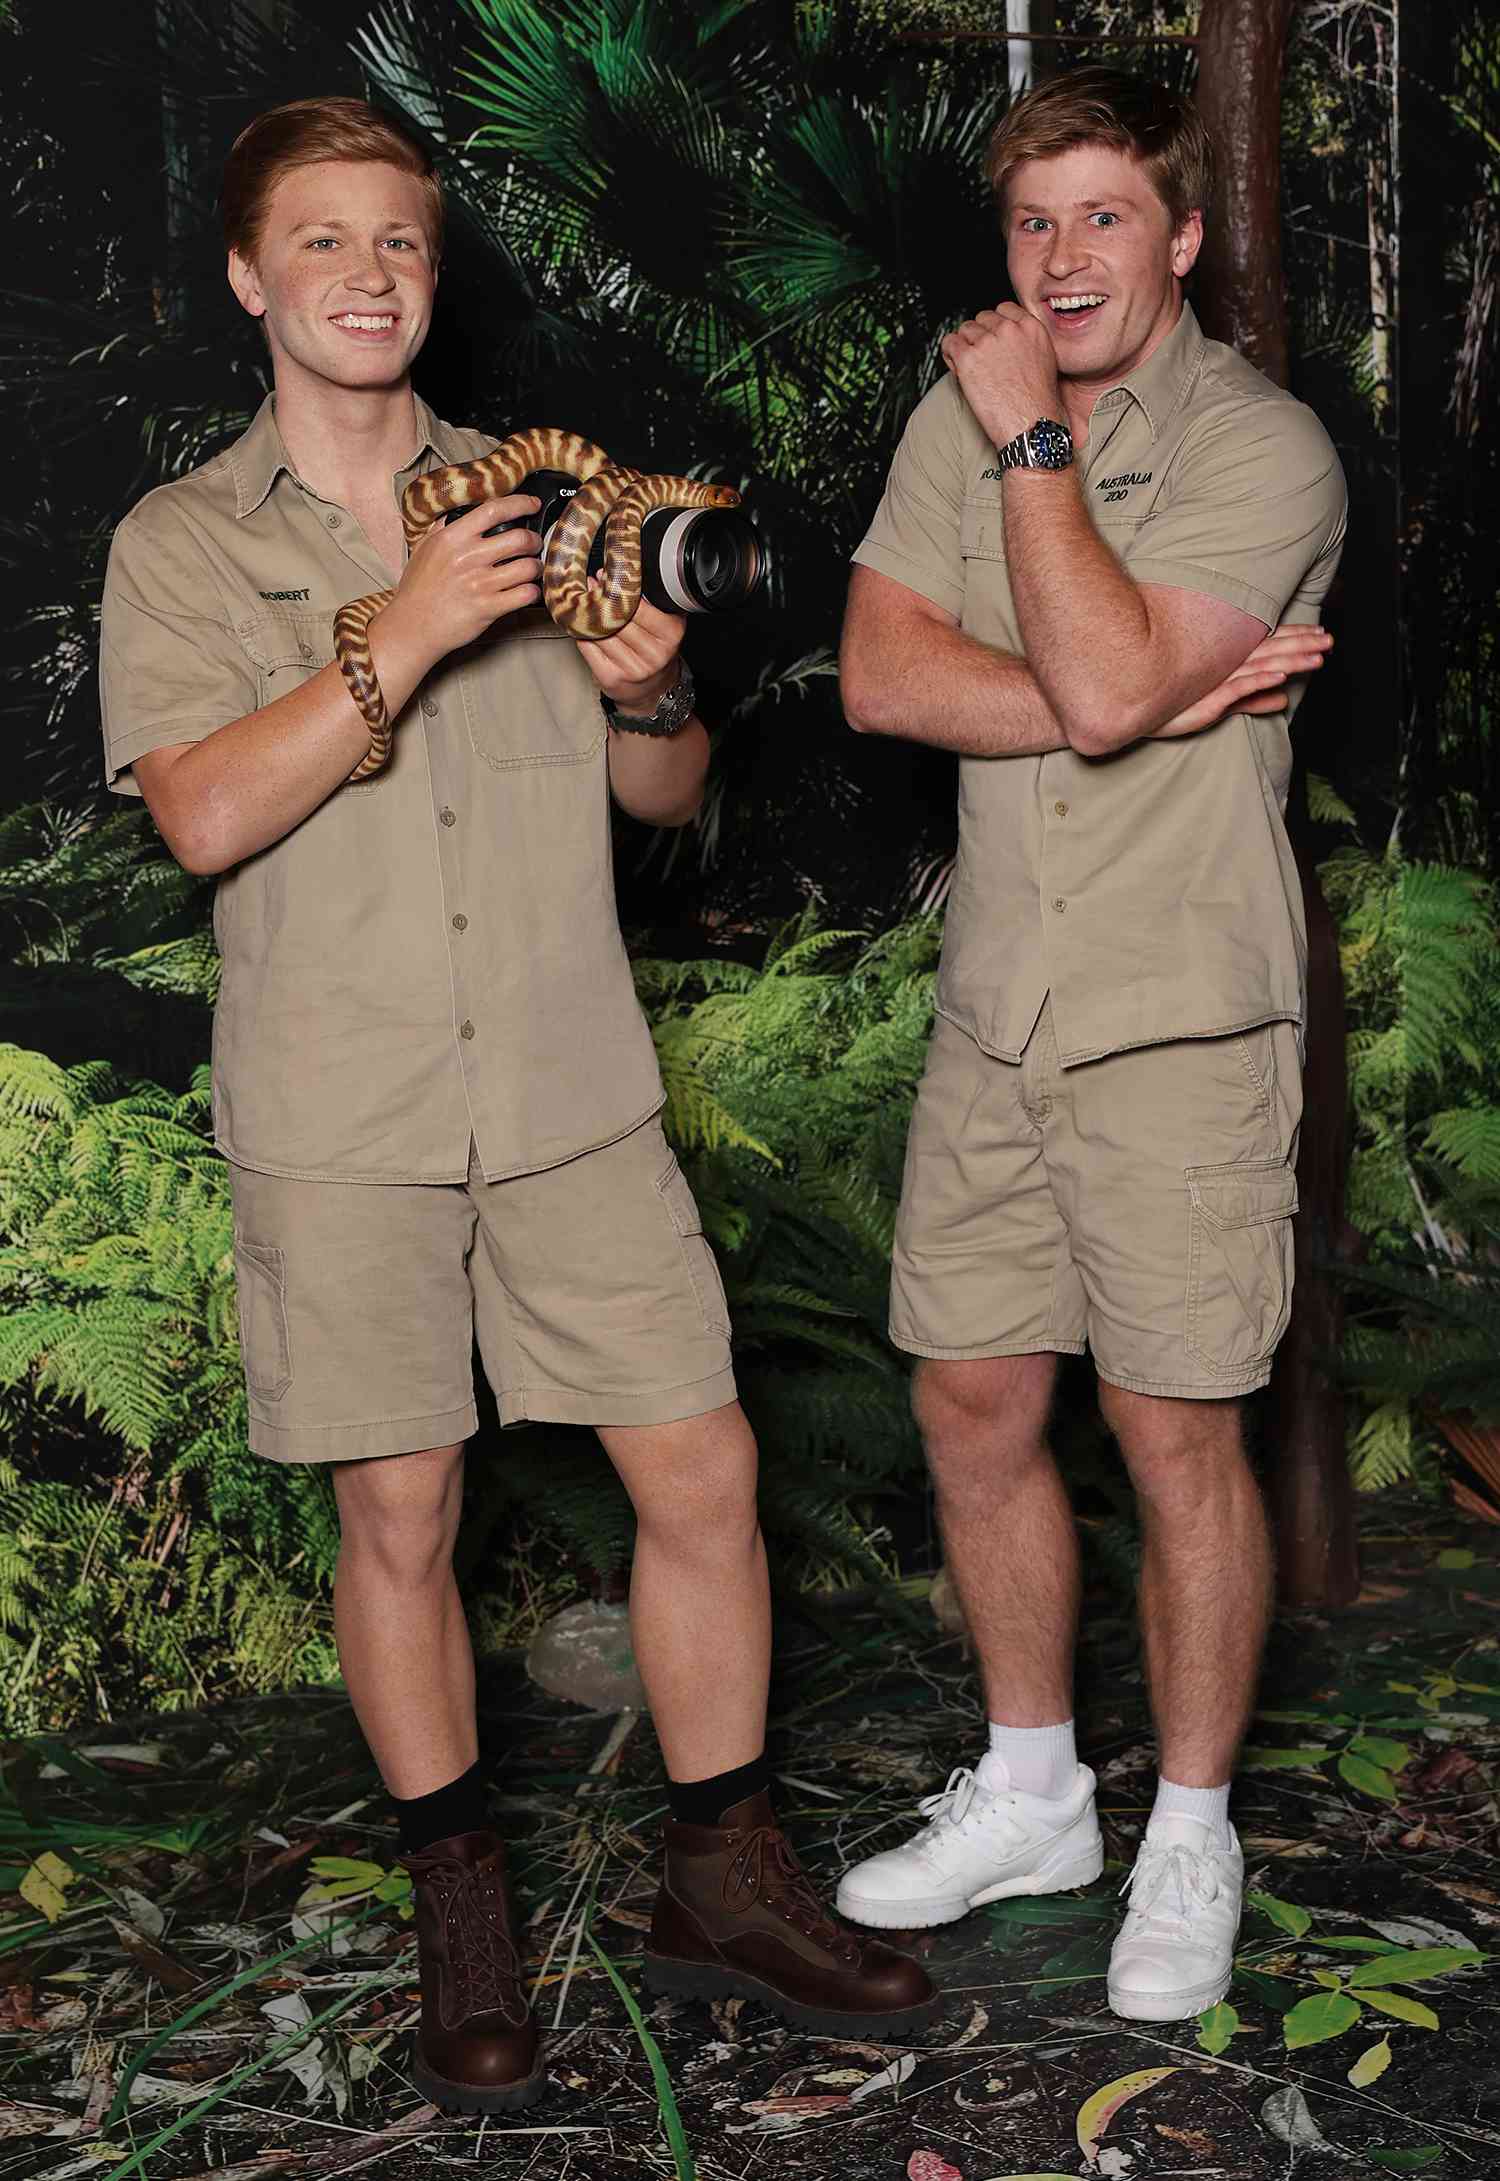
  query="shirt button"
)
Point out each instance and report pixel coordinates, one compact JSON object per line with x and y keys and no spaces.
{"x":1059,"y":904}
{"x":466,"y":1029}
{"x":429,"y":707}
{"x":333,"y":522}
{"x":460,"y":923}
{"x":1061,"y":809}
{"x":306,"y":650}
{"x":447,"y":817}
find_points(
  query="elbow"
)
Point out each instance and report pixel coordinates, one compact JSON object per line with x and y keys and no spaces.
{"x":861,"y":708}
{"x":196,"y":843}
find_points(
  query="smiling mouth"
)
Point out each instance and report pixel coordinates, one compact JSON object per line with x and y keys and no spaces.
{"x":365,"y":321}
{"x":1074,"y":308}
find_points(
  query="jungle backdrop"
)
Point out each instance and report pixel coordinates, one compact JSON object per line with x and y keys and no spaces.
{"x":723,"y":237}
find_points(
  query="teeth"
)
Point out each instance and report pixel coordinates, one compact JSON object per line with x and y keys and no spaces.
{"x":365,"y":324}
{"x":1074,"y":302}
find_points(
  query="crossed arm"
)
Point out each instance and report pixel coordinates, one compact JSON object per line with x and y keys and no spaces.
{"x":907,"y":669}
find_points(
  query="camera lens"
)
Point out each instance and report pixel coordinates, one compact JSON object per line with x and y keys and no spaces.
{"x":701,"y":560}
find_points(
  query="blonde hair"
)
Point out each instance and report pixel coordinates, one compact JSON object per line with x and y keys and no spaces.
{"x":1159,"y":127}
{"x":303,"y":134}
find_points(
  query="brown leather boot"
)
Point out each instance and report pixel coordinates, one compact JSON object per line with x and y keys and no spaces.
{"x":737,"y":1917}
{"x":476,"y":2045}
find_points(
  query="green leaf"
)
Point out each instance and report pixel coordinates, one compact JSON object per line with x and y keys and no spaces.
{"x":1320,"y":2016}
{"x":666,"y":2102}
{"x":1043,"y":1912}
{"x":1272,"y":1992}
{"x":1282,"y":1760}
{"x":1381,"y":1750}
{"x":1426,"y":2154}
{"x":1404,"y":2009}
{"x":1371,"y":2064}
{"x":1358,"y":1946}
{"x":1367,"y":1778}
{"x":1456,"y":1556}
{"x":1286,"y":1915}
{"x":1413,"y":1965}
{"x":1216,"y":2027}
{"x":1327,"y":1978}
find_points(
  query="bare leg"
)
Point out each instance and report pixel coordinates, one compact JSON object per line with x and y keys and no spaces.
{"x":1007,"y":1527}
{"x":1205,"y":1575}
{"x":402,"y":1638}
{"x":700,"y":1602}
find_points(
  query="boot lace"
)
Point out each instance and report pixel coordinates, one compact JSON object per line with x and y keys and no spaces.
{"x":483,"y":1964}
{"x":765,"y":1869}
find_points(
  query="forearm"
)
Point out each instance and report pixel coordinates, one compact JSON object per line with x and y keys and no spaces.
{"x":251,"y":782}
{"x":934,"y":684}
{"x":659,"y":778}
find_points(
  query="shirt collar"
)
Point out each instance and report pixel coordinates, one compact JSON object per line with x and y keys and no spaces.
{"x":1161,"y":383}
{"x":258,"y":457}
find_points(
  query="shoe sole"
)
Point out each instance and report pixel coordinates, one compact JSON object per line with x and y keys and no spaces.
{"x":1166,"y":2006}
{"x":944,"y":1909}
{"x":453,"y":2097}
{"x":670,"y":1979}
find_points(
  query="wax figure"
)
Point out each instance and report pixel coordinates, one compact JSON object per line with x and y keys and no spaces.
{"x":436,"y":1090}
{"x":1089,"y":527}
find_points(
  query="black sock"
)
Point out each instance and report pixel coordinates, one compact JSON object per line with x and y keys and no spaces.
{"x":703,"y":1802}
{"x":456,"y":1808}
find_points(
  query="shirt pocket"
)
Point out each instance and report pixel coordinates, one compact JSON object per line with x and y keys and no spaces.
{"x":529,"y":698}
{"x":287,"y":649}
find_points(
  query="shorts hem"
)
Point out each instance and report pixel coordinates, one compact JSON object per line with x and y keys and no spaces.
{"x":1220,"y":1390}
{"x":657,"y":1405}
{"x":984,"y":1348}
{"x":358,"y":1442}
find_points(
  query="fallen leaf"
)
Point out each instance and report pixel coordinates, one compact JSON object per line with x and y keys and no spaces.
{"x":929,"y":2166}
{"x":1414,"y":1967}
{"x":170,"y":1974}
{"x":889,"y":2078}
{"x":1404,"y":2009}
{"x":1418,"y":1931}
{"x":1096,"y":2112}
{"x":1216,"y":2027}
{"x":1286,"y":1915}
{"x":46,"y":1884}
{"x":1191,"y":2139}
{"x":1371,"y":2064}
{"x":1286,"y":2115}
{"x":803,"y":2107}
{"x":1318,"y":2017}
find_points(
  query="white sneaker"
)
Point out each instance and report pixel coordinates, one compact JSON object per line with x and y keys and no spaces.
{"x":1175,"y":1950}
{"x":980,"y":1843}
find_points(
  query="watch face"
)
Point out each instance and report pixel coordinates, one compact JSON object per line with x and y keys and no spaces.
{"x":1051,"y":445}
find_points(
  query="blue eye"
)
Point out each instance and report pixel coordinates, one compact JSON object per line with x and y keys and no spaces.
{"x":1033,"y":225}
{"x":1113,"y":218}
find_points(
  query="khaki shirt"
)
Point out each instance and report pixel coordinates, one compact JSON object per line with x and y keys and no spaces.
{"x":1153,"y":893}
{"x":434,"y":953}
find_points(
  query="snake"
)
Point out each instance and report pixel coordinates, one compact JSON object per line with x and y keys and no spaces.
{"x":610,"y":494}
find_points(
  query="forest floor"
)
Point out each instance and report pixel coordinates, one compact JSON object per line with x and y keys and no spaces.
{"x":154,"y":2023}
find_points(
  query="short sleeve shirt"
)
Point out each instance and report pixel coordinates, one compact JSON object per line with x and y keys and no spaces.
{"x":433,"y":955}
{"x":1153,"y":893}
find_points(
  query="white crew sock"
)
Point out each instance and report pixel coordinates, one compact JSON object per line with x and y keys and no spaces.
{"x":1037,"y":1760}
{"x":1209,"y":1805}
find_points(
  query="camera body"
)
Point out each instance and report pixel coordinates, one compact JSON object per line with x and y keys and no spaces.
{"x":693,"y":560}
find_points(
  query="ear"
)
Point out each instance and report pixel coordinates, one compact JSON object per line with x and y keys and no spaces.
{"x":1186,"y":244}
{"x":245,"y":282}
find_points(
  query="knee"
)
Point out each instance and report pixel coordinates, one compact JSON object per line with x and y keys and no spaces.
{"x":982,"y":1420}
{"x":704,"y":1505}
{"x":402,"y":1512}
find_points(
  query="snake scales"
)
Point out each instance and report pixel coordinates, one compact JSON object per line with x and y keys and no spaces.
{"x":610,"y":494}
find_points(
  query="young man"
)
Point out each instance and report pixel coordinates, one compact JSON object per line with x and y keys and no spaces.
{"x":1089,"y":528}
{"x":436,"y":1089}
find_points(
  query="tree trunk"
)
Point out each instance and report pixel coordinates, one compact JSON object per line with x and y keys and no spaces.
{"x":1241,"y":47}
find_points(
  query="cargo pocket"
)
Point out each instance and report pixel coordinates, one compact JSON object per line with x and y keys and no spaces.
{"x":702,"y":1268}
{"x":1239,"y":1291}
{"x":265,"y":1343}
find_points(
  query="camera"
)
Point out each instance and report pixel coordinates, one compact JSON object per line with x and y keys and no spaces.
{"x":693,"y":560}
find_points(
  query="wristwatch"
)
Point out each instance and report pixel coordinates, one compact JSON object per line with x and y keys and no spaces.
{"x":672,"y":713}
{"x":1047,"y":446}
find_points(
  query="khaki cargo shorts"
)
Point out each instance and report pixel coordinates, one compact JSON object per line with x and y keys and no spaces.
{"x":1139,"y":1206}
{"x":593,"y":1295}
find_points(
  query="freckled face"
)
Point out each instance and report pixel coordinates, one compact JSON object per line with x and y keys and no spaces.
{"x":345,"y":273}
{"x":1093,"y":254}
